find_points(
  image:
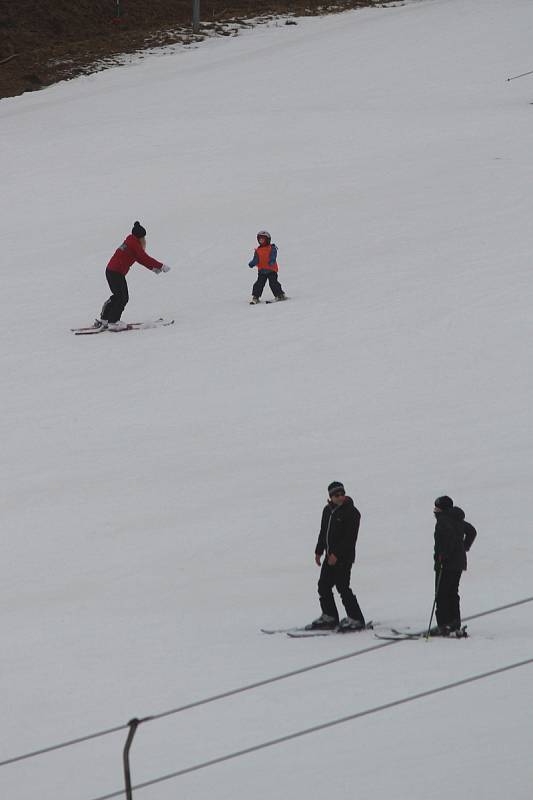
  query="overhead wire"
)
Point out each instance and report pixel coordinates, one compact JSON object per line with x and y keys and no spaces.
{"x":236,"y":691}
{"x":315,"y":728}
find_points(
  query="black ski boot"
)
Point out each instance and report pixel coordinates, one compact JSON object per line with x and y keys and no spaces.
{"x":349,"y":624}
{"x":324,"y":622}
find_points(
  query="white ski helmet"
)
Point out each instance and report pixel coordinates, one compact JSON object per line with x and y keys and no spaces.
{"x":265,"y":235}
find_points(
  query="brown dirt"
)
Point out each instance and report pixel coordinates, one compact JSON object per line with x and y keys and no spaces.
{"x":44,"y":41}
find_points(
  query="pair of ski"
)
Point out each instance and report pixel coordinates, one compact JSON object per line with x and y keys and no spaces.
{"x":131,"y":326}
{"x":396,"y":635}
{"x":269,"y":302}
{"x":308,"y":632}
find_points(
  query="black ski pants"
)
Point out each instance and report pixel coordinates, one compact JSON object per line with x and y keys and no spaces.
{"x":448,"y":610}
{"x":113,"y":308}
{"x":337,"y":576}
{"x":263,"y":276}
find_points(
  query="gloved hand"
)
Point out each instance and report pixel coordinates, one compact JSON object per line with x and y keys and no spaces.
{"x":164,"y":268}
{"x":156,"y":271}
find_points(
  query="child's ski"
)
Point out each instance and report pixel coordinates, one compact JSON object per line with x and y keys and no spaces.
{"x":269,"y":302}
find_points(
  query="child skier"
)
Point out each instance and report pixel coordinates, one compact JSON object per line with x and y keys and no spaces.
{"x":131,"y":250}
{"x":265,"y":260}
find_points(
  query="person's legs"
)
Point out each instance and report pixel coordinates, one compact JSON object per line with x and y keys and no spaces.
{"x":326,"y":583}
{"x":275,"y":285}
{"x":455,"y":601}
{"x":349,"y":600}
{"x":113,"y":308}
{"x":259,"y":285}
{"x":447,"y":607}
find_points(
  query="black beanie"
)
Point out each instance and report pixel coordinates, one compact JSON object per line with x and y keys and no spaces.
{"x":336,"y":486}
{"x":445,"y":503}
{"x":138,"y":230}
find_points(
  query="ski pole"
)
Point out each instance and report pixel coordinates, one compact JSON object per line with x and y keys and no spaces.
{"x":437,"y":585}
{"x":520,"y":76}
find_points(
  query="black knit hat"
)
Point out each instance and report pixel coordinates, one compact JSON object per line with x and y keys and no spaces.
{"x":138,"y":230}
{"x":336,"y":486}
{"x":444,"y":503}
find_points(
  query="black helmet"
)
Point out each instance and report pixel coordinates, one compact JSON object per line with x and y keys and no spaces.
{"x":264,"y":235}
{"x":444,"y":503}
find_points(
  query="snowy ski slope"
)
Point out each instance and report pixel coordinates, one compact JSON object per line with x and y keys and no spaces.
{"x":162,"y":489}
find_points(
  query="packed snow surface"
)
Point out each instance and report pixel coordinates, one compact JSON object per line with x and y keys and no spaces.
{"x":162,"y":489}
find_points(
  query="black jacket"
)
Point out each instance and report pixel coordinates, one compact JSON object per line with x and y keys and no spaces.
{"x":468,"y":531}
{"x":338,"y":531}
{"x":449,"y":541}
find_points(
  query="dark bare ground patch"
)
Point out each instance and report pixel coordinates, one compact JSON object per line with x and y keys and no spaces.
{"x":45,"y":41}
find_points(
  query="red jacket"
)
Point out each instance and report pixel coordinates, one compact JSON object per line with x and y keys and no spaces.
{"x":128,"y":253}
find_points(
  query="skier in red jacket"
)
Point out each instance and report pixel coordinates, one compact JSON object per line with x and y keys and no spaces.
{"x":132,"y":249}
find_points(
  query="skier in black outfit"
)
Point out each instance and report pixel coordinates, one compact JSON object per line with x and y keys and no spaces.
{"x":453,"y":537}
{"x":337,"y":539}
